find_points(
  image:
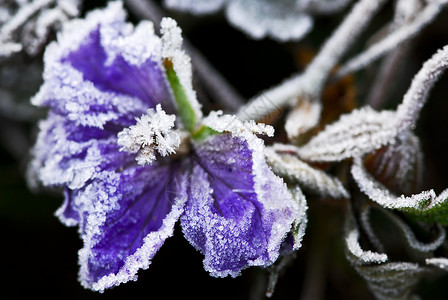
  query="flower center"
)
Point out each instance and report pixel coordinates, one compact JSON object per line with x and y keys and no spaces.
{"x":153,"y":135}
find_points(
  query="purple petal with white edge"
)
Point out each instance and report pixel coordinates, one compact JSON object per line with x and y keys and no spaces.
{"x":128,"y":217}
{"x":238,"y":211}
{"x":103,"y":71}
{"x":66,"y":154}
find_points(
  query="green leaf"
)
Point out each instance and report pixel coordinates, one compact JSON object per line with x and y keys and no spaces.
{"x":185,"y":110}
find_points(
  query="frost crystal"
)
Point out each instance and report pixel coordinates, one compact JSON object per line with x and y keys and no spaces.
{"x":153,"y":131}
{"x":220,"y":122}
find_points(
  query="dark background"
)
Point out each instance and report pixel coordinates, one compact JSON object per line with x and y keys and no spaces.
{"x":39,"y":255}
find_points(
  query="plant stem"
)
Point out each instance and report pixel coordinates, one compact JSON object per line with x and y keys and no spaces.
{"x":311,"y":82}
{"x":216,"y":85}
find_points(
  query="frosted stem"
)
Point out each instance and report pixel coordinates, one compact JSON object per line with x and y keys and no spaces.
{"x":414,"y":99}
{"x":221,"y":90}
{"x":310,"y":83}
{"x":21,"y":17}
{"x":394,"y":39}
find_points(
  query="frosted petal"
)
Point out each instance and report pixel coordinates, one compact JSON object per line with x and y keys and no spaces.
{"x":128,"y":216}
{"x":99,"y":71}
{"x":70,"y":155}
{"x":238,"y":211}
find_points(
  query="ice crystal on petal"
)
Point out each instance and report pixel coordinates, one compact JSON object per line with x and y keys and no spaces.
{"x":153,"y":131}
{"x":240,"y":211}
{"x":221,"y":122}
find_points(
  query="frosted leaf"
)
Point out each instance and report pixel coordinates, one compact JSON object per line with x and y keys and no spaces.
{"x":414,"y":247}
{"x":282,"y":20}
{"x":440,"y":262}
{"x":301,"y":220}
{"x":387,"y":280}
{"x":181,"y":62}
{"x":221,"y":122}
{"x":153,"y":132}
{"x":362,"y":131}
{"x":303,"y":117}
{"x":399,"y":164}
{"x":195,"y":6}
{"x":293,"y":169}
{"x":361,"y":256}
{"x":425,"y":205}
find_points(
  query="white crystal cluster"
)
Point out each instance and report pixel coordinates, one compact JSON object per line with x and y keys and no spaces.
{"x":152,"y":132}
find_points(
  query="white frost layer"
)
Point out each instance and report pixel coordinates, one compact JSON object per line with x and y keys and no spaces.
{"x":364,"y":256}
{"x":287,"y":165}
{"x":141,"y":258}
{"x":220,"y":122}
{"x":355,"y":134}
{"x":172,"y":50}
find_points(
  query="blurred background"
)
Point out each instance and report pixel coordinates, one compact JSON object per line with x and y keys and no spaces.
{"x":39,"y":255}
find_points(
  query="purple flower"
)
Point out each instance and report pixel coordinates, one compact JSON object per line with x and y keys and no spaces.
{"x":132,"y":164}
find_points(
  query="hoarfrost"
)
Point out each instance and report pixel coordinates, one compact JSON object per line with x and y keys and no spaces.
{"x":153,"y":131}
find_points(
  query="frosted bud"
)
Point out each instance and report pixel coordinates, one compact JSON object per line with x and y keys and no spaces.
{"x":152,"y":133}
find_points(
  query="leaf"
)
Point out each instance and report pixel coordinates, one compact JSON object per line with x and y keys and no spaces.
{"x":304,"y":116}
{"x":362,"y":131}
{"x":292,"y":168}
{"x":398,"y":165}
{"x":301,"y":221}
{"x":386,"y":280}
{"x":425,"y":206}
{"x":413,"y":246}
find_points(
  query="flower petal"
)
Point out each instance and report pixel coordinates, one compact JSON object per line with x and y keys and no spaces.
{"x":102,"y":70}
{"x":128,"y":216}
{"x":238,"y":211}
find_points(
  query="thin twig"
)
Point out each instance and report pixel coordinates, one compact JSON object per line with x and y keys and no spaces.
{"x":310,"y":83}
{"x":393,"y":40}
{"x":415,"y":98}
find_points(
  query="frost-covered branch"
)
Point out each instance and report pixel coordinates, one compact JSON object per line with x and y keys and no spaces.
{"x":415,"y":98}
{"x":28,"y":27}
{"x":393,"y":40}
{"x":310,"y":83}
